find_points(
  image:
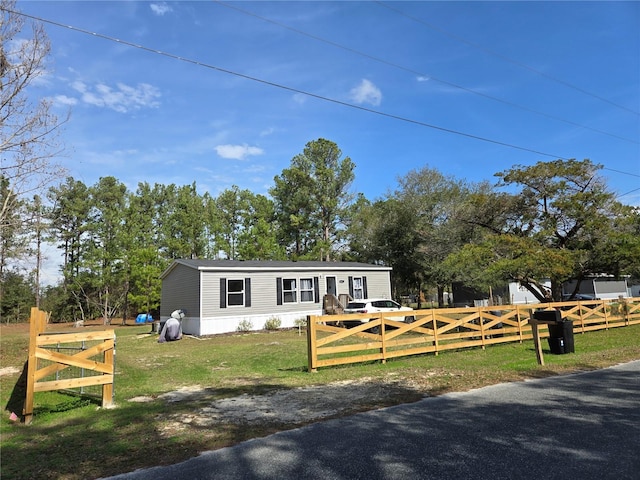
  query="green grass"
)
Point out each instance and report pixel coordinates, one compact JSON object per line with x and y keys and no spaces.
{"x":72,"y":438}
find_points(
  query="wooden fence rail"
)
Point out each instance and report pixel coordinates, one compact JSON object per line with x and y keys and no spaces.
{"x":38,"y":374}
{"x":387,"y":335}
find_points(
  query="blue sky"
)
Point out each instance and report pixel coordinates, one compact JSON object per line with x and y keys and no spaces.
{"x":218,"y":93}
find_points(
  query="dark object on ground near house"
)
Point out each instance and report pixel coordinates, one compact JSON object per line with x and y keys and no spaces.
{"x":560,"y":331}
{"x":561,"y":337}
{"x":172,"y":328}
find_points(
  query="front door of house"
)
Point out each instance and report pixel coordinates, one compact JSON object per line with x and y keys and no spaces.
{"x":331,"y":286}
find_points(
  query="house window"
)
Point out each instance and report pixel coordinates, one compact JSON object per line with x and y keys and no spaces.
{"x":358,"y":288}
{"x":289,"y":290}
{"x":306,"y":290}
{"x":235,"y":293}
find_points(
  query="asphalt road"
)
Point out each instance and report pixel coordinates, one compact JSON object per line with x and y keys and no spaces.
{"x":574,"y":427}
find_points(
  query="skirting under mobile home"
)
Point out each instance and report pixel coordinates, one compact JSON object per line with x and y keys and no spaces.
{"x":221,"y":296}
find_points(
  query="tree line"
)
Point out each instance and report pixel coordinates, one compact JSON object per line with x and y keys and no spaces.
{"x":551,"y":221}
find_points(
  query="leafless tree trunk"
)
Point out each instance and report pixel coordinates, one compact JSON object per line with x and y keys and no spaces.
{"x":38,"y":228}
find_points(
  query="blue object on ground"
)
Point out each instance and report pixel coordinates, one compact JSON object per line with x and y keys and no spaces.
{"x":144,"y":317}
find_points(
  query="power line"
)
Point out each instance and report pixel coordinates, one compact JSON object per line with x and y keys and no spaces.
{"x":284,"y":87}
{"x":506,"y":59}
{"x":294,"y":90}
{"x":624,"y":173}
{"x":414,"y":72}
{"x":628,"y":193}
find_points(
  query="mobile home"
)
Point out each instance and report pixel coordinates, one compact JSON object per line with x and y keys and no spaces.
{"x":221,"y":296}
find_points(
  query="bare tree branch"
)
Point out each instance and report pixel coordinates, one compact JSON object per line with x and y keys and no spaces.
{"x":29,"y":131}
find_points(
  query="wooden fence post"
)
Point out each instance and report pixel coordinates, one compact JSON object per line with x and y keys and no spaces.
{"x":107,"y":388}
{"x":35,"y":321}
{"x":625,"y":308}
{"x":536,"y":339}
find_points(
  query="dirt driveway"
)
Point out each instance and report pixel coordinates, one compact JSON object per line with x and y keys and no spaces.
{"x":289,"y":406}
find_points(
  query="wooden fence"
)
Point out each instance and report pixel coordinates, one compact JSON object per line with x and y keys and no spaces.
{"x":44,"y":362}
{"x":388,"y":335}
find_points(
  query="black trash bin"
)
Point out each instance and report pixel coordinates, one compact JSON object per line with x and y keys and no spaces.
{"x":560,"y":331}
{"x":561,"y":337}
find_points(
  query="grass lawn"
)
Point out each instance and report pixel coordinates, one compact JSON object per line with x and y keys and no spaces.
{"x":72,"y":438}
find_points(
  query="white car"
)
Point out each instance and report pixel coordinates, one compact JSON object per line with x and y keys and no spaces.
{"x":375,"y":305}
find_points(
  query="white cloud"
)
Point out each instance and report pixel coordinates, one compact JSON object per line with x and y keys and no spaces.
{"x":160,"y":8}
{"x":423,"y":79}
{"x":237,"y":152}
{"x":79,"y":86}
{"x":64,"y":100}
{"x":123,"y":98}
{"x":366,"y":92}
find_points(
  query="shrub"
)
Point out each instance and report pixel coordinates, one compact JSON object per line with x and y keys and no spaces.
{"x":245,"y":326}
{"x":272,"y":323}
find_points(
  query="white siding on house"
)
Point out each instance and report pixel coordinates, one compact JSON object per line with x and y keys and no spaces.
{"x":225,"y":324}
{"x":216,"y":319}
{"x":378,"y":284}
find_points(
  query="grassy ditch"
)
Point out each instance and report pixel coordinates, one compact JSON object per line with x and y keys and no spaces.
{"x":72,"y":438}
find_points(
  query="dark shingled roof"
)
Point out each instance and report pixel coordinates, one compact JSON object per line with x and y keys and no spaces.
{"x":203,"y":264}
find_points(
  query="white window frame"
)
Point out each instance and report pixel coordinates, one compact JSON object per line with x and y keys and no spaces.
{"x":291,"y":292}
{"x":235,"y":293}
{"x":358,"y":288}
{"x":309,"y":291}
